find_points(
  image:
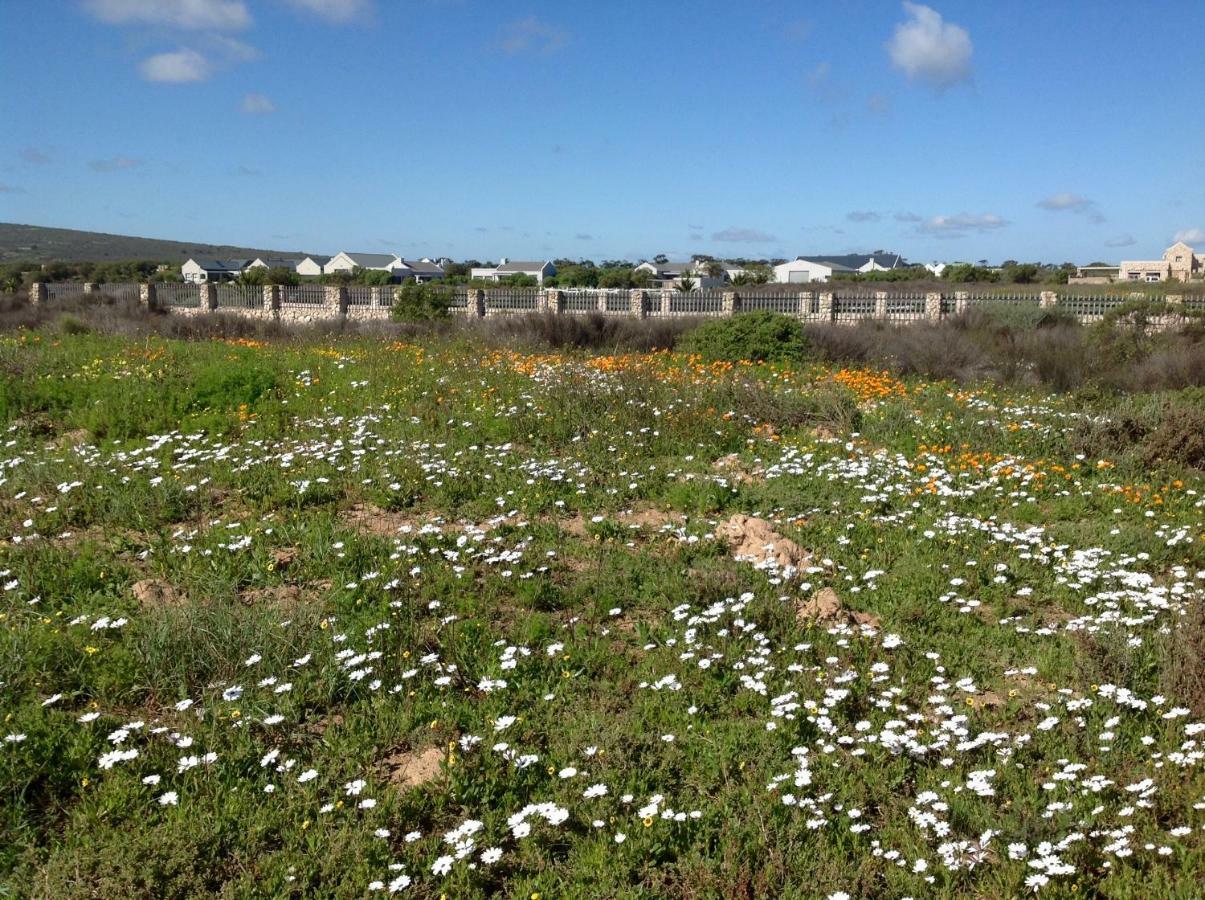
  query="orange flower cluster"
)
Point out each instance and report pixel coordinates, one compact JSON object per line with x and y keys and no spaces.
{"x":869,"y":385}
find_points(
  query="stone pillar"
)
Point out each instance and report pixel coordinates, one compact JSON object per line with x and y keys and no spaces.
{"x":336,"y":300}
{"x":826,"y":307}
{"x":637,"y":305}
{"x":880,"y":305}
{"x":209,"y":296}
{"x":272,"y":300}
{"x":554,"y":301}
{"x":933,"y":307}
{"x":1175,"y":299}
{"x":730,"y":303}
{"x":475,"y":304}
{"x":602,"y":301}
{"x":805,"y":304}
{"x":667,"y":301}
{"x":374,"y":297}
{"x":962,"y":299}
{"x":148,"y":295}
{"x":1048,"y":299}
{"x":37,"y":293}
{"x":91,"y":287}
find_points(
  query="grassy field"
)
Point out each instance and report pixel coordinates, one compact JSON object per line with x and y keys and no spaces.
{"x":352,"y":616}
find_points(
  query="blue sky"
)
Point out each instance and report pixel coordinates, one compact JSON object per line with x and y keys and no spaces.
{"x":483,"y":128}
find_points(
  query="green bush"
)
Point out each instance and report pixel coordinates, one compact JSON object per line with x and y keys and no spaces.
{"x":421,"y":302}
{"x":759,"y":336}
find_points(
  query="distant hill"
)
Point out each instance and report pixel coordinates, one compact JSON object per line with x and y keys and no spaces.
{"x":37,"y":244}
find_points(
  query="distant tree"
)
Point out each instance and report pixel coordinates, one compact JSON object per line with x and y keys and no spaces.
{"x":714,"y":268}
{"x":282,"y":275}
{"x":371,"y":276}
{"x":641,"y":278}
{"x":685,"y":284}
{"x":660,"y":259}
{"x":520,"y":280}
{"x":1019,"y":273}
{"x":759,"y":273}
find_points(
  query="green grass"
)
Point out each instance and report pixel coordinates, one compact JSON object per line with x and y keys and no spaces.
{"x":376,"y":549}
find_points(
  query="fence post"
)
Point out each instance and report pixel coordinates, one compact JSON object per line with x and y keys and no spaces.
{"x":636,"y":303}
{"x":209,"y":296}
{"x":37,"y":293}
{"x":554,"y":301}
{"x":148,"y":295}
{"x":374,"y":297}
{"x":1048,"y":299}
{"x":805,"y":304}
{"x":933,"y":307}
{"x":475,"y":304}
{"x":272,"y":300}
{"x":91,"y":287}
{"x":667,"y":301}
{"x":880,"y":305}
{"x":826,"y":307}
{"x":962,"y":299}
{"x":336,"y":300}
{"x":601,"y":301}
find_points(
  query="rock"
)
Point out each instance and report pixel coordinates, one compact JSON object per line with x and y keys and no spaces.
{"x":283,"y":557}
{"x":755,"y":540}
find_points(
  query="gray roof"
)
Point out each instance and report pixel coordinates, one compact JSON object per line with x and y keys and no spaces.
{"x":320,"y":260}
{"x":854,"y":261}
{"x":423,"y":268}
{"x":222,"y":265}
{"x":673,"y":269}
{"x":521,"y":265}
{"x":371,"y":260}
{"x":281,"y":262}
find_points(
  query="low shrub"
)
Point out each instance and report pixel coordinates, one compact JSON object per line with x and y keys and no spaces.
{"x":422,"y":302}
{"x":586,"y":332}
{"x":759,"y":336}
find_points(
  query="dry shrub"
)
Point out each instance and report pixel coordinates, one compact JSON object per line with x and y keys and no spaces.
{"x":1184,"y":654}
{"x":592,"y":331}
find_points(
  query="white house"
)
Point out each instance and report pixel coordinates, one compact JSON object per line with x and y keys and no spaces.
{"x":421,"y":270}
{"x":671,"y":274}
{"x":312,"y":266}
{"x":276,"y":262}
{"x":201,"y":271}
{"x":936,"y":268}
{"x":804,"y":271}
{"x":349,"y":262}
{"x":507,"y":267}
{"x":821,"y":268}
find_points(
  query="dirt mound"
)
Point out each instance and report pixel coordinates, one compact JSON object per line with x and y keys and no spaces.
{"x":411,"y":769}
{"x":826,"y":608}
{"x":731,"y":467}
{"x":157,"y":592}
{"x":755,"y":540}
{"x":378,"y":521}
{"x":644,"y":518}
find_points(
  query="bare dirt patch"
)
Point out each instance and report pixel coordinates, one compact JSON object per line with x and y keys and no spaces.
{"x":413,"y":769}
{"x":375,"y":520}
{"x":731,"y":467}
{"x":157,"y":592}
{"x":756,"y":540}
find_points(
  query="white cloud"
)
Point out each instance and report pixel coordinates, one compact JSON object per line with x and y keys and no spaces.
{"x":960,"y":224}
{"x":217,"y":15}
{"x":929,"y":49}
{"x":257,"y":105}
{"x":532,"y":34}
{"x":1191,"y":236}
{"x":336,"y":10}
{"x":1067,"y":202}
{"x":178,"y":67}
{"x":736,"y":235}
{"x":114,"y":164}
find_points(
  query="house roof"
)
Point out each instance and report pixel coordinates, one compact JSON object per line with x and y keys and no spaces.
{"x":857,"y":260}
{"x":521,"y":265}
{"x":222,"y":265}
{"x":371,"y":260}
{"x":320,"y":260}
{"x":826,"y":261}
{"x":423,"y":268}
{"x":280,"y":262}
